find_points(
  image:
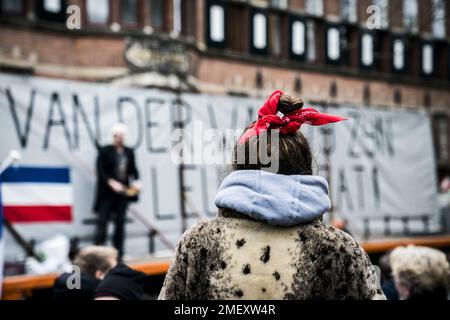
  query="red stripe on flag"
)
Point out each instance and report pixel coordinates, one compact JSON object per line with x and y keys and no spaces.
{"x":30,"y":214}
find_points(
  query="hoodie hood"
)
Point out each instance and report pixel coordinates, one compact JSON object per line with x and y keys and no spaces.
{"x":281,"y":200}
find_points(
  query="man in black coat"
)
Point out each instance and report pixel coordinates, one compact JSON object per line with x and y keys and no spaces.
{"x":94,"y":263}
{"x":122,"y":283}
{"x":117,"y":177}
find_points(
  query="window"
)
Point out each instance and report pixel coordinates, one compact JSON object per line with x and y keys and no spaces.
{"x":53,"y":6}
{"x":217,"y":32}
{"x":398,"y":55}
{"x":427,"y":59}
{"x":51,"y":10}
{"x":438,"y":18}
{"x":311,"y":41}
{"x":298,"y":38}
{"x":441,"y":135}
{"x":410,"y":17}
{"x":348,"y":10}
{"x":217,"y":23}
{"x":176,"y":16}
{"x":275,"y":35}
{"x":279,"y":4}
{"x":383,"y":6}
{"x":259,"y":32}
{"x":98,"y":11}
{"x":130,"y":12}
{"x":367,"y":50}
{"x":314,"y":7}
{"x":14,"y":7}
{"x":157,"y":14}
{"x":333,"y":44}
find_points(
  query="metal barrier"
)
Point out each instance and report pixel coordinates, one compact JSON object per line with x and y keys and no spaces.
{"x":405,"y":220}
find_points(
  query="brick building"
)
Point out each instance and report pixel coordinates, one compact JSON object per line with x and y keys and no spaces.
{"x":395,"y":54}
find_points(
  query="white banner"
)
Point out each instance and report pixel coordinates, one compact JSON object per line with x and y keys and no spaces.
{"x":381,"y":162}
{"x":382,"y":169}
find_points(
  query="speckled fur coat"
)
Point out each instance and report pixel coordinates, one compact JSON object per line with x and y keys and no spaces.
{"x":235,"y":257}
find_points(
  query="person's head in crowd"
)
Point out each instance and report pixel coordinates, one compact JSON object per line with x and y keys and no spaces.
{"x":386,"y":277}
{"x":122,"y":283}
{"x":96,"y":261}
{"x":118,"y":134}
{"x":445,"y":185}
{"x":420,"y":273}
{"x":385,"y":267}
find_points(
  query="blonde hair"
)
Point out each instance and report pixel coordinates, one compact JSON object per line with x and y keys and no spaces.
{"x":93,"y":258}
{"x":422,"y":269}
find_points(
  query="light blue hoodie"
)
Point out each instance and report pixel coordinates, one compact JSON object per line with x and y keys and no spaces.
{"x":281,"y":200}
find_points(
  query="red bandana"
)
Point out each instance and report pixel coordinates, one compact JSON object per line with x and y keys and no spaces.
{"x":287,"y":124}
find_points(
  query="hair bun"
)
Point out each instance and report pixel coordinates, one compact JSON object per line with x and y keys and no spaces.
{"x":288,"y":104}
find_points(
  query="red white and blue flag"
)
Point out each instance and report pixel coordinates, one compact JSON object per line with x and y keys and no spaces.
{"x":36,"y":194}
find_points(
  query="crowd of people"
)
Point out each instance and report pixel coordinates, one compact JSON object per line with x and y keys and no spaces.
{"x":407,"y":273}
{"x":268,"y":240}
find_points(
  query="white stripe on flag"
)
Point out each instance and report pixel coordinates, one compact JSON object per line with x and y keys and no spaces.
{"x":36,"y":194}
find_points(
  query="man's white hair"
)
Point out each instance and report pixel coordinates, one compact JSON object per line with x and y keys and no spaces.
{"x":422,"y":267}
{"x":118,"y":128}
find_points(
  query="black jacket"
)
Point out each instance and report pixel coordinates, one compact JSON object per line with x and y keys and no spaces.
{"x":106,"y":164}
{"x":123,"y":283}
{"x":88,"y":284}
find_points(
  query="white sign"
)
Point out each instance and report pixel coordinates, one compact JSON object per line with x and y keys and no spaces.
{"x":381,"y":162}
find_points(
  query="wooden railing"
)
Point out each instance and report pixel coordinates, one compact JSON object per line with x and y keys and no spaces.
{"x":20,"y":287}
{"x":380,"y":246}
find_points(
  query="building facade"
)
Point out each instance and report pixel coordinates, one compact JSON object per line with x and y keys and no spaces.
{"x":367,"y":53}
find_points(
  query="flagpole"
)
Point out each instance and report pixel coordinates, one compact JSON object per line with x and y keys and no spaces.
{"x":12,"y":158}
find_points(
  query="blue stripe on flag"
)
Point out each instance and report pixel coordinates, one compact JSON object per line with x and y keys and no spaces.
{"x":36,"y":175}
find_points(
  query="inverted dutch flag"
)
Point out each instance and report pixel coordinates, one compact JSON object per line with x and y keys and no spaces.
{"x":36,"y":194}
